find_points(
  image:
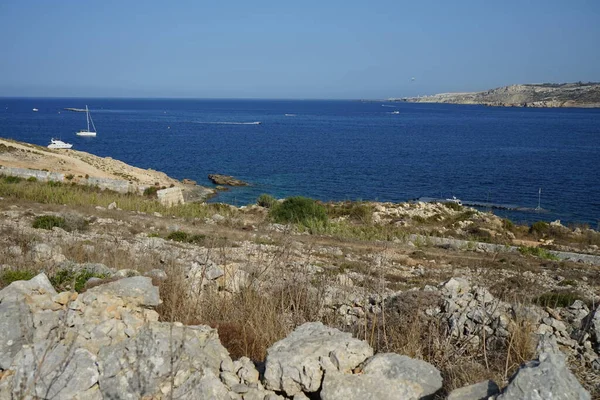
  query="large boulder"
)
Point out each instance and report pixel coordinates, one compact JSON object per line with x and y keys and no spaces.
{"x":18,"y":290}
{"x":50,"y":370}
{"x":144,"y":365}
{"x":338,"y":386}
{"x":297,"y":363}
{"x":396,"y":367}
{"x":136,"y":291}
{"x":548,"y":377}
{"x":226,"y":180}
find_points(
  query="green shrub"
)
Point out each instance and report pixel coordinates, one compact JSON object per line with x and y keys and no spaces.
{"x":69,"y":176}
{"x":153,"y":234}
{"x":32,"y":179}
{"x":151,"y":191}
{"x":67,"y":279}
{"x":198,"y":238}
{"x":178,"y":236}
{"x":299,"y":210}
{"x":54,"y":184}
{"x":508,"y":224}
{"x":9,"y":276}
{"x":537,"y":252}
{"x":266,"y":200}
{"x":539,"y":228}
{"x":48,"y":222}
{"x":12,"y":179}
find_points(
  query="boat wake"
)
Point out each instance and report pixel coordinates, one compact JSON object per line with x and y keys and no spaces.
{"x":228,"y":123}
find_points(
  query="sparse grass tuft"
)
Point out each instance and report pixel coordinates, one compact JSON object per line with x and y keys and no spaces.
{"x":178,"y":236}
{"x":67,"y":279}
{"x":538,"y":252}
{"x":559,"y":298}
{"x":9,"y":276}
{"x":266,"y":200}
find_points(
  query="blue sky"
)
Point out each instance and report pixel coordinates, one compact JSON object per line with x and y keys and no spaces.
{"x":284,"y":49}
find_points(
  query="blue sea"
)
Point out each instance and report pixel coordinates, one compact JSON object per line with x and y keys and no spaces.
{"x":343,"y":150}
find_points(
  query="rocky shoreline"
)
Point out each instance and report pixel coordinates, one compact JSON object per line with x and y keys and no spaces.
{"x":531,"y":95}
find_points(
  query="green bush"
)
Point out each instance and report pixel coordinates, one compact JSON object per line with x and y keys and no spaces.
{"x":537,"y":252}
{"x":9,"y":276}
{"x":266,"y":200}
{"x":69,"y":176}
{"x":508,"y":224}
{"x":178,"y":236}
{"x":12,"y":179}
{"x":299,"y":210}
{"x":153,"y":234}
{"x":67,"y":279}
{"x":54,"y":184}
{"x":151,"y":191}
{"x":539,"y":228}
{"x":48,"y":222}
{"x":32,"y":179}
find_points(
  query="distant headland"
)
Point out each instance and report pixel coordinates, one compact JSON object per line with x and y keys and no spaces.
{"x":577,"y":94}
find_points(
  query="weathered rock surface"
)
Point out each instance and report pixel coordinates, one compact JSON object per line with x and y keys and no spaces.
{"x":297,"y":362}
{"x":226,"y":180}
{"x":545,"y":378}
{"x":394,"y":367}
{"x":479,"y":391}
{"x":107,"y":343}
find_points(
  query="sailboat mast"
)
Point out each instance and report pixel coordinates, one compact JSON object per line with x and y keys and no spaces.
{"x":87,"y":116}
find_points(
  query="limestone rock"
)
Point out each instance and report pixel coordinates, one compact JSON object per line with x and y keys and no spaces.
{"x":294,"y":364}
{"x":137,"y":290}
{"x":548,"y":377}
{"x":397,"y":367}
{"x":226,"y":180}
{"x":337,"y":386}
{"x":19,"y":289}
{"x":16,"y":329}
{"x":479,"y":391}
{"x":63,"y":372}
{"x":142,"y":365}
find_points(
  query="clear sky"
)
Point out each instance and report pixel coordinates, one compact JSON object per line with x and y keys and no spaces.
{"x":292,"y":49}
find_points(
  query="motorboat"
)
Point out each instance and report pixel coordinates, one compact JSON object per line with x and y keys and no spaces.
{"x":59,"y":144}
{"x":87,"y":132}
{"x":35,"y":110}
{"x":454,"y":200}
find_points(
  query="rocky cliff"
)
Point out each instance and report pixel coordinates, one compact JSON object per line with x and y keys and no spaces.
{"x":528,"y":95}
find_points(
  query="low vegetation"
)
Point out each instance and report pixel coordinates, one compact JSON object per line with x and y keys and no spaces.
{"x":537,"y":252}
{"x":299,"y":210}
{"x":49,"y":222}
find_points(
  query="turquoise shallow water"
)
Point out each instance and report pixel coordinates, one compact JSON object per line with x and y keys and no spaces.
{"x":338,"y":150}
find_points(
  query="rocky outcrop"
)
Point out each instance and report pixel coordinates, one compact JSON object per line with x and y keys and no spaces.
{"x":226,"y":180}
{"x":531,"y":95}
{"x":108,"y":343}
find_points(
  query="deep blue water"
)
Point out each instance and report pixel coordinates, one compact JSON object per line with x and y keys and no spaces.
{"x":338,"y":150}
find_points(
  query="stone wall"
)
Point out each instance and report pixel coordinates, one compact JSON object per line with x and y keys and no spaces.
{"x":170,"y":197}
{"x":25,"y":173}
{"x":116,"y":185}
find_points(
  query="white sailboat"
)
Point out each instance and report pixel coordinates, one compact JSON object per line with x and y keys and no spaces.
{"x":87,"y":132}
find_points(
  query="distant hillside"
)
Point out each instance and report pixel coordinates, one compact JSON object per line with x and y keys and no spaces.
{"x":528,"y":95}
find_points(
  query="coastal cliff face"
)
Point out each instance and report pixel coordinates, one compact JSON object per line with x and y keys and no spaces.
{"x":528,"y":95}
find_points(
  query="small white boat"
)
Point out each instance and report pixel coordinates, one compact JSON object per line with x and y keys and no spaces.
{"x":35,"y":110}
{"x":454,"y":200}
{"x":395,"y":112}
{"x":87,"y":132}
{"x":59,"y":144}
